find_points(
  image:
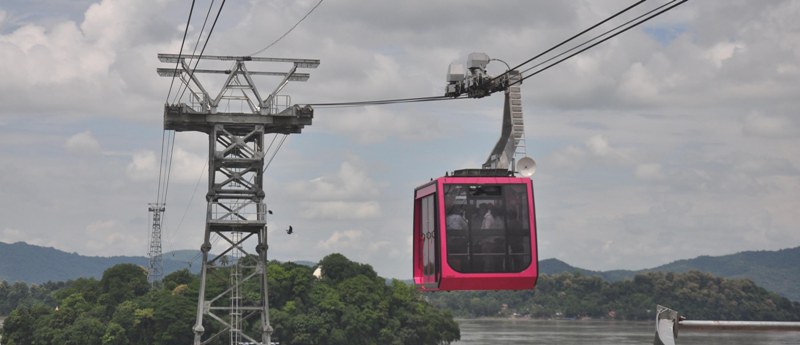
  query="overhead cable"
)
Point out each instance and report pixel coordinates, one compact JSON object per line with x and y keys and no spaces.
{"x":382,"y":101}
{"x":586,"y":45}
{"x":288,"y":31}
{"x":191,"y":198}
{"x":185,"y":31}
{"x":194,"y":50}
{"x":169,"y":165}
{"x":625,"y":27}
{"x":274,"y":153}
{"x":574,"y":37}
{"x":210,"y":31}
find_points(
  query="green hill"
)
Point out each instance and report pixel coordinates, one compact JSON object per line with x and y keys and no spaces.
{"x":777,"y":271}
{"x":22,"y":262}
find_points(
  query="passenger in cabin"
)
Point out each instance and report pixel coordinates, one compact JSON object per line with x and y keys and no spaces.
{"x":476,"y":216}
{"x":492,"y":219}
{"x":455,"y":219}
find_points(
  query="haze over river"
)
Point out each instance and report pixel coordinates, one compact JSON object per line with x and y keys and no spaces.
{"x":549,"y":332}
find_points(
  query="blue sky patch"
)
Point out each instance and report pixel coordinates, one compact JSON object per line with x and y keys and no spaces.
{"x":665,"y":34}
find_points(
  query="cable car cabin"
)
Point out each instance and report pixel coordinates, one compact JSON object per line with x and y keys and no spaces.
{"x":475,"y":233}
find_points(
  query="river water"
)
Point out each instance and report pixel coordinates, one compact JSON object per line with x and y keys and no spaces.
{"x":530,"y":332}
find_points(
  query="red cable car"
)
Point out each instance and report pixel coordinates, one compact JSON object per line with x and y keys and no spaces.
{"x":475,"y":233}
{"x":476,"y":229}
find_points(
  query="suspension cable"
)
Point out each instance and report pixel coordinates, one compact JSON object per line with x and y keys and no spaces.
{"x":573,"y":37}
{"x":194,"y":50}
{"x":627,"y":26}
{"x":384,"y":101}
{"x":183,"y":41}
{"x":208,"y":38}
{"x":288,"y":31}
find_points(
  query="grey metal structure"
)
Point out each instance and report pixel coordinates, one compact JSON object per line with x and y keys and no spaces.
{"x":668,"y":322}
{"x":236,"y":212}
{"x":477,"y":83}
{"x":155,"y":267}
{"x":512,"y":136}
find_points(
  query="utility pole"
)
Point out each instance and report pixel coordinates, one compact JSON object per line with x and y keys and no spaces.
{"x":155,"y":267}
{"x":236,"y":212}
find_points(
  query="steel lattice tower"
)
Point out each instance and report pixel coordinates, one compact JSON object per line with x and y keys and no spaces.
{"x":236,"y":212}
{"x":156,"y":263}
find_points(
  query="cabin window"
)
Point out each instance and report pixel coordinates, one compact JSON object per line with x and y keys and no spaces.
{"x":430,"y":236}
{"x":488,"y":228}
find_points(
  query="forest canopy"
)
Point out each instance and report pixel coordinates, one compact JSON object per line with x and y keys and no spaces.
{"x":697,"y":295}
{"x":350,"y":304}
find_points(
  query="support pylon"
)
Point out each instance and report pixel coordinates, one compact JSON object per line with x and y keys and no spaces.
{"x":236,"y":212}
{"x":155,"y":268}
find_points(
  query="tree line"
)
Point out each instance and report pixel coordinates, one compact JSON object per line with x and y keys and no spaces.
{"x":350,"y":304}
{"x":697,"y":295}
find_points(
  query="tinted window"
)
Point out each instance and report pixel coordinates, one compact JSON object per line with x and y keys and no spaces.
{"x":429,"y":235}
{"x":488,"y":228}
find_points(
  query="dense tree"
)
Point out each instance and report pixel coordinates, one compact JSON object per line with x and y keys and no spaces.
{"x":697,"y":295}
{"x":123,"y":282}
{"x":351,"y":304}
{"x":336,"y":268}
{"x":177,"y":278}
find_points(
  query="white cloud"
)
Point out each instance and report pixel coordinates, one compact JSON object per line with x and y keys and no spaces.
{"x":107,"y":237}
{"x":10,"y":235}
{"x":64,"y":68}
{"x":723,"y":51}
{"x":143,"y":166}
{"x":342,"y":239}
{"x":703,"y":115}
{"x":351,"y":182}
{"x":598,"y":145}
{"x":760,"y":125}
{"x":649,"y":171}
{"x":187,"y":167}
{"x":370,"y":125}
{"x":353,"y":239}
{"x":570,"y":156}
{"x":596,"y":149}
{"x":639,"y":84}
{"x":83,"y":143}
{"x":342,"y":210}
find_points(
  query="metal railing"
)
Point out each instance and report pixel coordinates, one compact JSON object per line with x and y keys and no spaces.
{"x":669,"y":322}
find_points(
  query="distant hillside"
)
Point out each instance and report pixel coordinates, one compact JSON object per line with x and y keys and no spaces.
{"x":778,"y":271}
{"x":34,"y":264}
{"x":556,"y":266}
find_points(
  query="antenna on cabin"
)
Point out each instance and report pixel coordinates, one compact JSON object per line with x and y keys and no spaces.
{"x":526,"y":166}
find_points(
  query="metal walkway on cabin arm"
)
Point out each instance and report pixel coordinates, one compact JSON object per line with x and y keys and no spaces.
{"x":668,"y":322}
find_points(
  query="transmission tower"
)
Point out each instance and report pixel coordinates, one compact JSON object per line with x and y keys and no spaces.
{"x":236,"y":212}
{"x":156,"y":262}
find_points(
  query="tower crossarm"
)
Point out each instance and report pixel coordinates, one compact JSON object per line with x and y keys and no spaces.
{"x":184,"y":118}
{"x":238,"y":86}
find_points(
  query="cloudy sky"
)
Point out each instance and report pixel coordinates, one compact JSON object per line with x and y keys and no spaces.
{"x":676,"y":139}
